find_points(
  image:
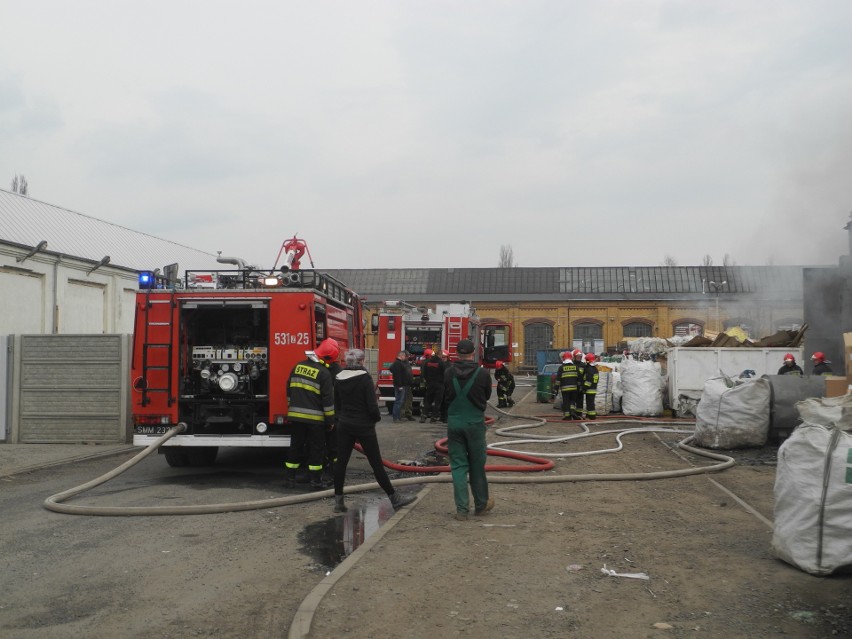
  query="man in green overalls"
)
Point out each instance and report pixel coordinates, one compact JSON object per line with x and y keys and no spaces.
{"x":467,"y":388}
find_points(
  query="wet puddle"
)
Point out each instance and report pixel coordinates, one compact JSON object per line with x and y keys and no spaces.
{"x":331,"y":541}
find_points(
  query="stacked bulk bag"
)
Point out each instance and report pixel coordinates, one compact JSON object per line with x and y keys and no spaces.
{"x":733,"y":413}
{"x":813,"y":488}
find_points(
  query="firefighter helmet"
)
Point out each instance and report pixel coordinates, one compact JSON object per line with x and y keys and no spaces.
{"x":328,"y":349}
{"x":819,"y":356}
{"x":590,"y":357}
{"x":564,"y":356}
{"x":576,"y":352}
{"x":789,"y":357}
{"x":428,"y":352}
{"x":498,"y":363}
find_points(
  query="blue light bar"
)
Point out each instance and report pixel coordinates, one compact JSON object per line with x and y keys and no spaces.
{"x":146,"y":279}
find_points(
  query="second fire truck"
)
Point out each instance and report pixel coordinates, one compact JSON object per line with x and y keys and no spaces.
{"x":401,"y":326}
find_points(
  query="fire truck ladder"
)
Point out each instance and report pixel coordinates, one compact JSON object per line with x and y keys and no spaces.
{"x":454,"y":334}
{"x":158,"y":341}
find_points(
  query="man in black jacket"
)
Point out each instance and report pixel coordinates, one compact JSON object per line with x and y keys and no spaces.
{"x":357,"y":413}
{"x":468,"y":389}
{"x":402,"y":381}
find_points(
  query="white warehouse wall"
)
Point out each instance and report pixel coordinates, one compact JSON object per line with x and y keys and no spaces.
{"x":49,"y":293}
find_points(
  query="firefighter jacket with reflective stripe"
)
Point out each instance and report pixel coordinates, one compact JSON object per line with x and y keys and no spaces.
{"x":822,"y":369}
{"x":505,"y":379}
{"x":590,"y":379}
{"x":310,"y":394}
{"x":567,"y":379}
{"x":792,"y":369}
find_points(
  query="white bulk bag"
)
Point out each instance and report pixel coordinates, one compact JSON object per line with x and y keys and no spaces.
{"x":603,"y":399}
{"x":642,"y":387}
{"x":735,"y":416}
{"x":813,"y":488}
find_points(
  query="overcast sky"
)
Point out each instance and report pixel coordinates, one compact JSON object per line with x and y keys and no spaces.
{"x":407,"y":134}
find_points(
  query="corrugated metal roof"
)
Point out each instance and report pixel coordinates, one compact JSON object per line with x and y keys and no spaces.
{"x":621,"y":282}
{"x":27,"y":222}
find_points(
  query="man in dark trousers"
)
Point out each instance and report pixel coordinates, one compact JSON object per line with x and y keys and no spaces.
{"x":468,"y":389}
{"x":402,"y":381}
{"x":310,"y":412}
{"x":432,"y":371}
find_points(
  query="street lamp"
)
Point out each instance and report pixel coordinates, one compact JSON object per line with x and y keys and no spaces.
{"x":715,"y":286}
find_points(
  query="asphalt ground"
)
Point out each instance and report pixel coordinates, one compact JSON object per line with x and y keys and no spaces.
{"x":392,"y":561}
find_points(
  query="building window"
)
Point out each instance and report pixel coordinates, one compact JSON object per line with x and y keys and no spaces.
{"x":688,"y":329}
{"x":637,"y":329}
{"x":537,"y":337}
{"x":588,"y":331}
{"x":743,"y":323}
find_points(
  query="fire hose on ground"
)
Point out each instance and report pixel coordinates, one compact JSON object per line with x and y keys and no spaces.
{"x":426,"y":474}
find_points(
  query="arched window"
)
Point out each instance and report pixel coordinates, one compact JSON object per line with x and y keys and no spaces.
{"x":538,"y":336}
{"x":687,"y":327}
{"x":637,"y":329}
{"x":743,"y":323}
{"x":588,"y":330}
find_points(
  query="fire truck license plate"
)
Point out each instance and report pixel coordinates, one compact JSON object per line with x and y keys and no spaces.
{"x":152,"y":430}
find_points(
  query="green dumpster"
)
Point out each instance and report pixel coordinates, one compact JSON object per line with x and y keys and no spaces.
{"x":544,"y":383}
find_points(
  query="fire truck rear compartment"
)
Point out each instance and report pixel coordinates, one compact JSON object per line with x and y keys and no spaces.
{"x":224,"y":364}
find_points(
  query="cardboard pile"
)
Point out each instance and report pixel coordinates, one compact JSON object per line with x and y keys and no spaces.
{"x":781,"y":339}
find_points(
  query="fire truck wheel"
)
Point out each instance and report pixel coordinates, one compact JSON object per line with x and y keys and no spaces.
{"x":205,"y":456}
{"x":176,"y":457}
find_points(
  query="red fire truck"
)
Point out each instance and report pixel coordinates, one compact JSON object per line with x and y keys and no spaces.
{"x":215,"y":351}
{"x":402,"y":326}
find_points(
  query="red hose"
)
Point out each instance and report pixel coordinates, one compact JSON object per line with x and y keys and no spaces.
{"x":534,"y":464}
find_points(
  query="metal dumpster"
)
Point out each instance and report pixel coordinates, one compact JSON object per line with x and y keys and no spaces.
{"x":544,"y":382}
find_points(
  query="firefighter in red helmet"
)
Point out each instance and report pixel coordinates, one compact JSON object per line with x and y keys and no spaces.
{"x":590,"y":385}
{"x":577,"y":397}
{"x":790,"y":367}
{"x":329,"y":352}
{"x":505,"y":385}
{"x":310,"y":412}
{"x":432,"y":374}
{"x":821,"y":365}
{"x":568,"y":383}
